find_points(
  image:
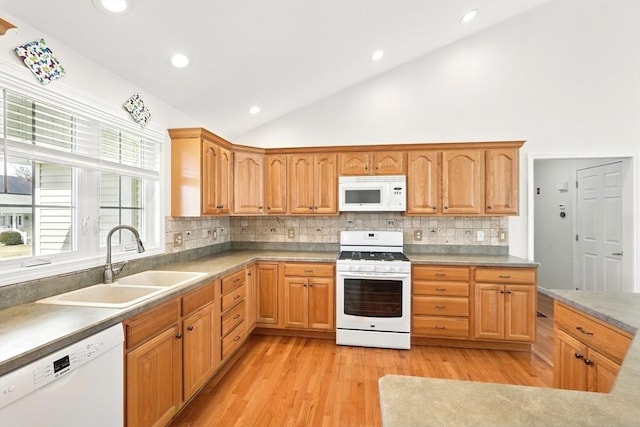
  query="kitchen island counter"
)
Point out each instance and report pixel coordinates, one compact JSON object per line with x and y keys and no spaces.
{"x":412,"y":401}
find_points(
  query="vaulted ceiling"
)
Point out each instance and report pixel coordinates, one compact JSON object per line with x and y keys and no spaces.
{"x":280,"y":55}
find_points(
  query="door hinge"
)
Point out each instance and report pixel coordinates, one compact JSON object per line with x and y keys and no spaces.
{"x":577,"y":238}
{"x":576,"y":184}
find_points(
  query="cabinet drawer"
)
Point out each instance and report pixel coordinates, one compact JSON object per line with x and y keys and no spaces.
{"x":440,"y":326}
{"x":437,"y":306}
{"x":151,"y":322}
{"x":232,"y":281}
{"x":315,"y":270}
{"x":506,"y":275}
{"x":197,"y":298}
{"x":456,"y":289}
{"x":233,"y":318}
{"x":234,"y":297}
{"x":606,"y":339}
{"x":232,"y":341}
{"x":435,"y":272}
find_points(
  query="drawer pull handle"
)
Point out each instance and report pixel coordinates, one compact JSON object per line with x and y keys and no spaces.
{"x":441,"y":289}
{"x":504,"y":276}
{"x":441,"y":306}
{"x":588,"y":362}
{"x":237,"y":338}
{"x":190,"y":328}
{"x":581,"y":329}
{"x":440,"y":327}
{"x":236,"y":296}
{"x":579,"y":355}
{"x":441,"y":274}
{"x":236,"y":280}
{"x":308,"y":271}
{"x":237,"y":316}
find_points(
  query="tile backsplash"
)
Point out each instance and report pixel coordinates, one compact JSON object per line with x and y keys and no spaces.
{"x":296,"y":230}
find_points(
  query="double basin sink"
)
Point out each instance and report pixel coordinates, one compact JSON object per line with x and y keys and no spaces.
{"x":127,"y":291}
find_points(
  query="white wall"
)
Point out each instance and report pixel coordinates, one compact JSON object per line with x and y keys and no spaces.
{"x":565,"y":77}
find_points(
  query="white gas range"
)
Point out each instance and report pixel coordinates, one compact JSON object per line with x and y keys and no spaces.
{"x":373,"y":290}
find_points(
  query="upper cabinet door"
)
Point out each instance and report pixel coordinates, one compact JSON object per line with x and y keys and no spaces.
{"x":463,"y":182}
{"x":354,"y":163}
{"x":301,"y":176}
{"x":388,"y":163}
{"x":326,"y":184}
{"x":224,"y":181}
{"x":210,"y":153}
{"x":275,"y":191}
{"x":502,"y":181}
{"x":422,"y":182}
{"x":248,"y":178}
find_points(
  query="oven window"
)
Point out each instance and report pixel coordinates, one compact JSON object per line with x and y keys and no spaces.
{"x":373,"y":297}
{"x":367,"y":197}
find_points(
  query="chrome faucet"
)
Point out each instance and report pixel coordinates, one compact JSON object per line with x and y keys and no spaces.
{"x":109,"y":272}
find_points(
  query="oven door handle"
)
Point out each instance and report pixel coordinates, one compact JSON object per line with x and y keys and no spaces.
{"x":368,"y":275}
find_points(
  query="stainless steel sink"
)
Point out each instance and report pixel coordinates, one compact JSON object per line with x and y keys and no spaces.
{"x":105,"y":296}
{"x":160,"y":279}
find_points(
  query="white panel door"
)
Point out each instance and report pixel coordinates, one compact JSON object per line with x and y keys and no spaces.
{"x":598,"y":255}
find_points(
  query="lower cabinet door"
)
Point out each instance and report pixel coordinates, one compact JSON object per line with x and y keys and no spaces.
{"x":602,"y":372}
{"x":198,"y":350}
{"x":154,"y":380}
{"x":322,"y":303}
{"x":569,"y":367}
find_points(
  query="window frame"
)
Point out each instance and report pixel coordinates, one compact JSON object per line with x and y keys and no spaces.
{"x":85,"y":182}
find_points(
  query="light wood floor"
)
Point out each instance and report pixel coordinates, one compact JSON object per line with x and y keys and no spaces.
{"x":286,"y":381}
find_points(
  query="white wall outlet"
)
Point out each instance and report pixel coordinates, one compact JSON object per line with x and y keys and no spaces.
{"x":417,"y":235}
{"x":291,"y":233}
{"x":214,"y":233}
{"x":480,"y":236}
{"x":177,"y":240}
{"x":502,"y":235}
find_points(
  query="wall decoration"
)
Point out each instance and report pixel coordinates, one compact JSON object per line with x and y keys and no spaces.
{"x":140,"y":113}
{"x":41,"y":61}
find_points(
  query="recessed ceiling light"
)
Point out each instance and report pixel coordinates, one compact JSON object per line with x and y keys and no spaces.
{"x":377,"y":55}
{"x":254,"y":110}
{"x":113,"y":7}
{"x":179,"y":60}
{"x":468,"y":17}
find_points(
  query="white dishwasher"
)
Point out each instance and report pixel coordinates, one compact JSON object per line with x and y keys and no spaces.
{"x":80,"y":385}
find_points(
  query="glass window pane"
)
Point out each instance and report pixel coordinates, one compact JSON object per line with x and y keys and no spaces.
{"x":54,"y":185}
{"x":15,"y":221}
{"x":131,"y":190}
{"x":109,"y":190}
{"x":53,"y":231}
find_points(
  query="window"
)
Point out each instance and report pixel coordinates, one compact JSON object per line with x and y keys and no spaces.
{"x":68,"y":178}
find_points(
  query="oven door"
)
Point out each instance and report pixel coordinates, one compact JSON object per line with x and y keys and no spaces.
{"x":373,"y":303}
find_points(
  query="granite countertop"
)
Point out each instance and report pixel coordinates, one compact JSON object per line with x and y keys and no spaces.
{"x":31,"y":331}
{"x":412,"y":401}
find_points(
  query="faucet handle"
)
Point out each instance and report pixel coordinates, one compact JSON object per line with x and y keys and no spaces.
{"x":117,"y":270}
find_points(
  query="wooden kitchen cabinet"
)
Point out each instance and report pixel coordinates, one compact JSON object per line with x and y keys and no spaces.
{"x":275,"y":191}
{"x":505,"y":304}
{"x":200,"y":346}
{"x":440,"y":301}
{"x":267,"y":300}
{"x":153,"y":365}
{"x":501,"y":181}
{"x":252,"y":297}
{"x":587,"y":352}
{"x":423,"y":176}
{"x":463,"y":182}
{"x":233,"y":325}
{"x":309,"y":301}
{"x":372,"y":163}
{"x":200,"y":173}
{"x":313,"y":184}
{"x":248,"y":183}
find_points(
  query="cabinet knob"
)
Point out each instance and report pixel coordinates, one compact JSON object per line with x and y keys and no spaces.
{"x":260,"y":207}
{"x":502,"y":292}
{"x":236,"y":296}
{"x":434,"y":208}
{"x":588,"y":362}
{"x":190,"y":328}
{"x":237,"y":316}
{"x":488,"y":207}
{"x":179,"y":336}
{"x":237,"y":338}
{"x":311,"y":207}
{"x":579,"y":355}
{"x":446,"y":207}
{"x":268,"y":208}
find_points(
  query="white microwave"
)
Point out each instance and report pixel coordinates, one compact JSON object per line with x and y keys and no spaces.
{"x":376,"y":193}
